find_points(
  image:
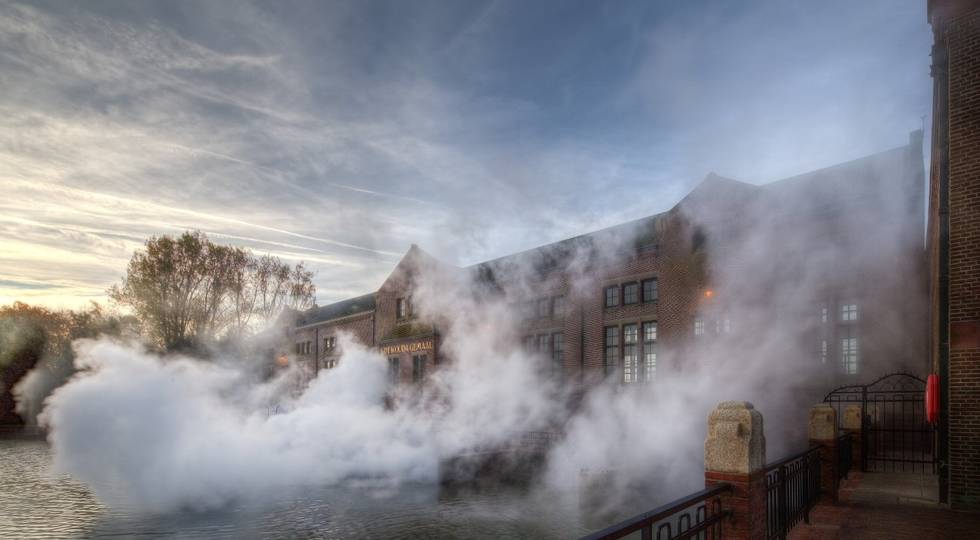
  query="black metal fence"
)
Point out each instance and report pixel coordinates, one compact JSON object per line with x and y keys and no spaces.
{"x":699,"y":515}
{"x":792,"y":489}
{"x":844,"y":455}
{"x":895,"y":436}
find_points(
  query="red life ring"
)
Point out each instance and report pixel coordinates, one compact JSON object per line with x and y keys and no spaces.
{"x":932,"y":398}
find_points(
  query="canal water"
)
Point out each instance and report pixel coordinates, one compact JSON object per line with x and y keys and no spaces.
{"x":35,"y":503}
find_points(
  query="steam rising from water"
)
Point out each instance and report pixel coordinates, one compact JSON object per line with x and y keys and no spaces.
{"x":164,"y":433}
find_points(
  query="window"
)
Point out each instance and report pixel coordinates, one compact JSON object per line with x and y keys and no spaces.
{"x":650,"y":292}
{"x":698,"y":240}
{"x":848,"y":312}
{"x":544,"y":308}
{"x":394,"y":370}
{"x":649,"y":351}
{"x":726,"y":325}
{"x":823,"y":351}
{"x":849,"y":350}
{"x":631,"y":293}
{"x":823,"y":314}
{"x":329,"y":344}
{"x":418,"y":368}
{"x":299,"y":348}
{"x":543,"y":343}
{"x":401,"y":308}
{"x":612,"y":296}
{"x":558,"y":306}
{"x":611,"y":348}
{"x":698,"y":326}
{"x":558,"y":352}
{"x":631,"y":365}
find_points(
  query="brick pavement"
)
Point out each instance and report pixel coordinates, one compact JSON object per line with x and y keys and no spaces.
{"x":863,"y":513}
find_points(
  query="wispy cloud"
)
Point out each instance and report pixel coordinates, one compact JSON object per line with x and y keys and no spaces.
{"x":341,"y":133}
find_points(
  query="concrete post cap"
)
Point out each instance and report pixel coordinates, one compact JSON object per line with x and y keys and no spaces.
{"x":736,"y":442}
{"x":823,"y":422}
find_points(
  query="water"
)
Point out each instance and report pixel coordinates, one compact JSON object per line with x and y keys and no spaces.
{"x":34,"y":503}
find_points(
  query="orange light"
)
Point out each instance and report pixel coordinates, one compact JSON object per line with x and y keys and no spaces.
{"x":282,"y":361}
{"x":709,"y":293}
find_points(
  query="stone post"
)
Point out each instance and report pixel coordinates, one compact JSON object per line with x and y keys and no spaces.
{"x":735,"y":453}
{"x":852,"y":425}
{"x":822,"y":432}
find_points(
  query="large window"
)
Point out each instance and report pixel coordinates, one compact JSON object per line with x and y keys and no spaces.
{"x":849,"y":350}
{"x":544,"y":308}
{"x":558,"y":306}
{"x":418,"y":368}
{"x":394,"y":370}
{"x":403,"y":308}
{"x":631,"y":293}
{"x":848,"y":312}
{"x":631,"y":360}
{"x":823,"y":351}
{"x":558,"y":352}
{"x":612,"y":296}
{"x":329,"y":344}
{"x":650,"y":292}
{"x":543,"y":343}
{"x":649,"y":351}
{"x":698,"y":326}
{"x":611,"y":349}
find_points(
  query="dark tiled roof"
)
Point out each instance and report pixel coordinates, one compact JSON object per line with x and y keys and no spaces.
{"x":337,"y":310}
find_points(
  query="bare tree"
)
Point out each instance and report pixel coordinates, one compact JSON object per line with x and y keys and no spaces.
{"x":188,"y":290}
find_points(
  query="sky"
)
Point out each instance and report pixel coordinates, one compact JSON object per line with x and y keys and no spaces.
{"x":341,"y":133}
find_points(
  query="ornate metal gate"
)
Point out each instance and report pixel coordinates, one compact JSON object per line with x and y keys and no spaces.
{"x":895,"y":435}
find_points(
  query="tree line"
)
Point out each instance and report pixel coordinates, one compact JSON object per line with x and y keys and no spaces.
{"x":188,"y":291}
{"x":180,"y":293}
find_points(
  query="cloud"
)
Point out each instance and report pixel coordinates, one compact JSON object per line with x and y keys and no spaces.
{"x":342,"y":133}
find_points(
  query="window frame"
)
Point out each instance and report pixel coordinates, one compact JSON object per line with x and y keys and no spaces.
{"x":643,"y":290}
{"x":611,"y":292}
{"x":558,"y":351}
{"x":631,"y":353}
{"x":418,"y":368}
{"x":610,"y":348}
{"x":394,"y":369}
{"x":649,"y":347}
{"x":635,"y":285}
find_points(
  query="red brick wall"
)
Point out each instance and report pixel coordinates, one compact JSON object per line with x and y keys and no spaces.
{"x":360,"y":326}
{"x":963,"y":41}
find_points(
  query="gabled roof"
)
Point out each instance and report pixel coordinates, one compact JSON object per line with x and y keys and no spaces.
{"x":851,"y":180}
{"x":336,"y":310}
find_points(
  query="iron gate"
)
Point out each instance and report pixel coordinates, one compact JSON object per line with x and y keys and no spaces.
{"x":895,"y":436}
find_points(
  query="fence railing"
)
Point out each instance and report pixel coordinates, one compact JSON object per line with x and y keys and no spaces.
{"x":699,"y":515}
{"x":792,"y":489}
{"x":844,"y":453}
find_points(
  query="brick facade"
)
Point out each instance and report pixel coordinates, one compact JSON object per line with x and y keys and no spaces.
{"x":700,"y":254}
{"x":955,"y":189}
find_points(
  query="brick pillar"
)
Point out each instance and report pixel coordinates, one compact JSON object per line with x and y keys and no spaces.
{"x":852,"y":425}
{"x":735,"y":452}
{"x":822,"y":432}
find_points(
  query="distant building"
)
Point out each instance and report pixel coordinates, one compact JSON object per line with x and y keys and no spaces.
{"x":836,"y":256}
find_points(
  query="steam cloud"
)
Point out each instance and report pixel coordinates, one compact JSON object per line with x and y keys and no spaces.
{"x":164,"y":433}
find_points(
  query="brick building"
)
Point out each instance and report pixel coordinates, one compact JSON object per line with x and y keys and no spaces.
{"x":636,"y":302}
{"x":954,"y":244}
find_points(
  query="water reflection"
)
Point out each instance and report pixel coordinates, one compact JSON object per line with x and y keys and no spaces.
{"x":34,"y":504}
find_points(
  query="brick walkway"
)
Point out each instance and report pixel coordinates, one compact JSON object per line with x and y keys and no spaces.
{"x":875,"y":512}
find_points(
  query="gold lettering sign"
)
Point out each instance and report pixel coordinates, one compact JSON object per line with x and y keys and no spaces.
{"x":408,"y":347}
